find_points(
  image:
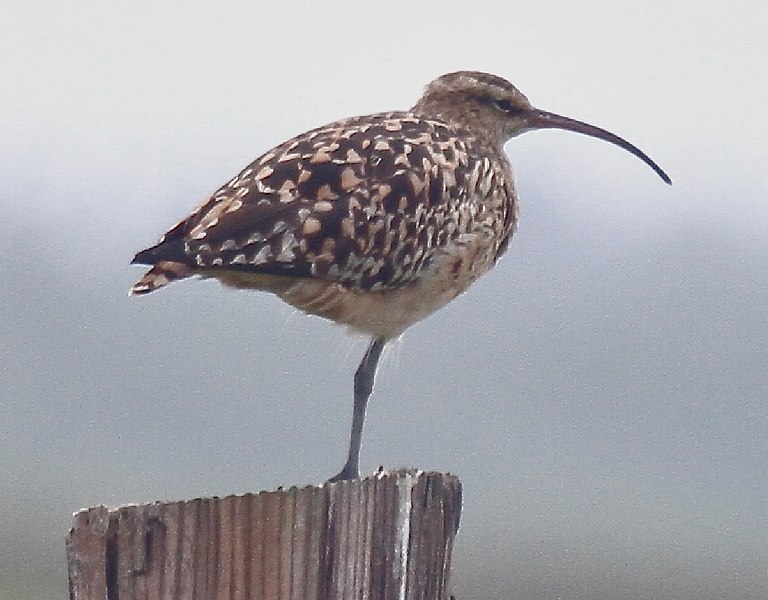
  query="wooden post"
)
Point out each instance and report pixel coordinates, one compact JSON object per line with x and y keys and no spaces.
{"x":388,"y":536}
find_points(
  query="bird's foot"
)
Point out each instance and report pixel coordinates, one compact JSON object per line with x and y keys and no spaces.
{"x":347,"y":473}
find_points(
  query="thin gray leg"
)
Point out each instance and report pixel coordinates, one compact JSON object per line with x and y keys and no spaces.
{"x":364,"y":377}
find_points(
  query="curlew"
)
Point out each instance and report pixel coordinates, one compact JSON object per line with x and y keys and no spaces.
{"x":373,"y":222}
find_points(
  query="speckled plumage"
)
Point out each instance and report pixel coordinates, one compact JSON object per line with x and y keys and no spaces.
{"x":373,"y":222}
{"x":370,"y":205}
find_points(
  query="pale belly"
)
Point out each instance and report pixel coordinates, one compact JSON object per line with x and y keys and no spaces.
{"x":383,"y":313}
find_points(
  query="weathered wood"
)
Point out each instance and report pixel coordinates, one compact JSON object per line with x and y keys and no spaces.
{"x":388,"y":536}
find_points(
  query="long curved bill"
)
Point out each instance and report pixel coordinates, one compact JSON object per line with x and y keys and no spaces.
{"x":541,"y":119}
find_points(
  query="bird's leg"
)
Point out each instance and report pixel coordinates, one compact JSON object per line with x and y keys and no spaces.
{"x":364,"y":377}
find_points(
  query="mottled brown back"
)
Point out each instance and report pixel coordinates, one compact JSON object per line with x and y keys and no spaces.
{"x":364,"y":201}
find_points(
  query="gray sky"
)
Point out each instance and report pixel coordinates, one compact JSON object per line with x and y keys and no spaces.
{"x":601,"y":394}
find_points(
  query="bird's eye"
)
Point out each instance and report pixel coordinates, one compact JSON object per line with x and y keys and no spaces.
{"x":504,"y":105}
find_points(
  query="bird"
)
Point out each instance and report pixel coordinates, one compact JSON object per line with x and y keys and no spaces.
{"x":373,"y":222}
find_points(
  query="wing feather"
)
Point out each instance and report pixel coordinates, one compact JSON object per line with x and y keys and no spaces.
{"x":366,"y":202}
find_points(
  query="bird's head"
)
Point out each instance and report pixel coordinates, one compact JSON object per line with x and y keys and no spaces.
{"x":493,"y":108}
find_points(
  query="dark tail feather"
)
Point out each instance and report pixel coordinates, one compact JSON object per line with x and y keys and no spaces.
{"x":172,"y":251}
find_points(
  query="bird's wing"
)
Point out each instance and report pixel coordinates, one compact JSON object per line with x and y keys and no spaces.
{"x":365,"y":202}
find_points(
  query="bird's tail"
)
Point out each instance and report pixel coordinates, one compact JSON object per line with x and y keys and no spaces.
{"x":163,"y":273}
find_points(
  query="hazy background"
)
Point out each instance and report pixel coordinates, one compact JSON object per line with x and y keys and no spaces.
{"x":601,"y":394}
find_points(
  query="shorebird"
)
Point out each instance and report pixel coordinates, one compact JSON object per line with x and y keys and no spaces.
{"x":373,"y":222}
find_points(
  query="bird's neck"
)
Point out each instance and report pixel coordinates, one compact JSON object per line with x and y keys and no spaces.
{"x":460,"y":116}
